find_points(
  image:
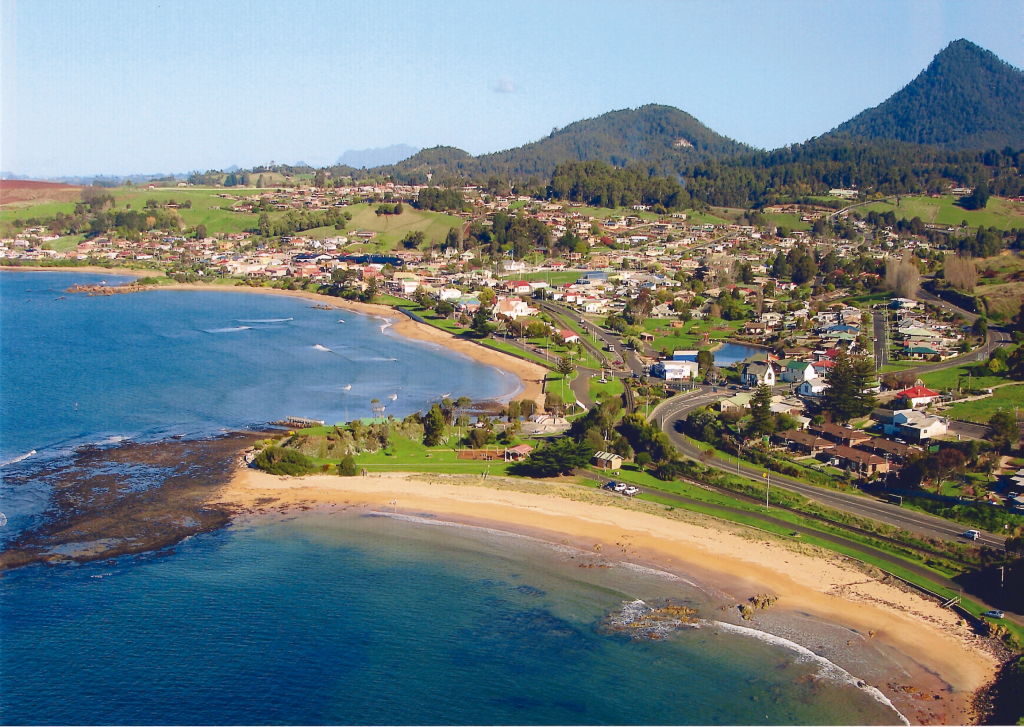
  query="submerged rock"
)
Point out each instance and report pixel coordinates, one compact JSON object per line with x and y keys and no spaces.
{"x":641,"y":620}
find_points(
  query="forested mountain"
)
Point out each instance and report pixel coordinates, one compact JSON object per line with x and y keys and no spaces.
{"x":657,"y":137}
{"x":967,"y":98}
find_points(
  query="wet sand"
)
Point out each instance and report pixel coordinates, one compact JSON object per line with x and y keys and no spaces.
{"x":951,"y":662}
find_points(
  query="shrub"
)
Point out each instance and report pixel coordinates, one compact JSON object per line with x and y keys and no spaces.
{"x":347,"y":466}
{"x":281,"y":461}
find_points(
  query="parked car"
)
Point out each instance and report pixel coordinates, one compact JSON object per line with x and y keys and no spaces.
{"x":972,"y":534}
{"x":620,"y":487}
{"x":609,"y":485}
{"x":994,"y":613}
{"x":631,"y":490}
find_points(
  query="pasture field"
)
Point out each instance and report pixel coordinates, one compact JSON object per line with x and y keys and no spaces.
{"x":391,"y":228}
{"x":1009,"y":398}
{"x":1000,"y":213}
{"x":792,"y":222}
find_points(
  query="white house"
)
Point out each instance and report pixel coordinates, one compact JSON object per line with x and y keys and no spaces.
{"x":917,"y":426}
{"x":758,"y":373}
{"x":812,"y":387}
{"x":671,"y":370}
{"x":797,"y":372}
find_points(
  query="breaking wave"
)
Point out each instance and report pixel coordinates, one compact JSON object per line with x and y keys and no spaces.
{"x":265,"y":320}
{"x":318,"y":347}
{"x":13,"y":460}
{"x":230,"y":329}
{"x":826,"y":668}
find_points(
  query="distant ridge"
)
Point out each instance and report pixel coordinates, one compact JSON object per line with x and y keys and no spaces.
{"x":376,"y":157}
{"x":967,"y":98}
{"x":661,"y":137}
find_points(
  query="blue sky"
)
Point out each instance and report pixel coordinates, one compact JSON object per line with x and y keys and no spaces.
{"x":102,"y":86}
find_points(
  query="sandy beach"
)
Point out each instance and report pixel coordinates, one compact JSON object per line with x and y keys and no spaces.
{"x":805,"y":578}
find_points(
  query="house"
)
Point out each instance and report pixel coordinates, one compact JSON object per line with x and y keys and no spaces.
{"x":606,"y":460}
{"x":797,"y":372}
{"x":918,"y":396}
{"x":758,"y":374}
{"x":893,"y":451}
{"x":812,"y":387}
{"x":840,"y":434}
{"x":803,"y":442}
{"x":738,"y":401}
{"x":916,"y":426}
{"x":859,"y":461}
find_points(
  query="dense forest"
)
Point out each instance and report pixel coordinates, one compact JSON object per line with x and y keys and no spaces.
{"x":967,"y":98}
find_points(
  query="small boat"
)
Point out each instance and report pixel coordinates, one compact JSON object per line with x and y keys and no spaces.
{"x":392,"y":396}
{"x":346,"y":387}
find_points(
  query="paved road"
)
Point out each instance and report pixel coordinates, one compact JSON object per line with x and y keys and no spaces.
{"x":881,"y":323}
{"x":968,"y":430}
{"x":676,"y":408}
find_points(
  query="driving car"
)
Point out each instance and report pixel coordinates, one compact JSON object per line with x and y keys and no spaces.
{"x":994,"y":613}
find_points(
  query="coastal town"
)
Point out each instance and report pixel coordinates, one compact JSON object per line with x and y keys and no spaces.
{"x":640,"y":304}
{"x":464,"y":364}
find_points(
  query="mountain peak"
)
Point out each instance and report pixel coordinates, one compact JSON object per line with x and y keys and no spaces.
{"x":967,"y":98}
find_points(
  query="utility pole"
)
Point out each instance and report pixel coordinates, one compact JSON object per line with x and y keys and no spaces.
{"x":767,"y":488}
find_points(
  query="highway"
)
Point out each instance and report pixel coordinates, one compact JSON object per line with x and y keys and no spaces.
{"x":671,"y":411}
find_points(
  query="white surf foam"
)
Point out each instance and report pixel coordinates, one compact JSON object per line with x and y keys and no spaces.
{"x":18,"y":459}
{"x":265,"y":320}
{"x":318,"y":347}
{"x":826,"y":667}
{"x":230,"y":329}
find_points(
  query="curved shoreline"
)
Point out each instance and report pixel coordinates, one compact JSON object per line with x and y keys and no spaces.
{"x":941,"y":648}
{"x":530,"y":376}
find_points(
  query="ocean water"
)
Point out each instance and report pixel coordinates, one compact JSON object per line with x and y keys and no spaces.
{"x":339,"y":617}
{"x":79,"y":369}
{"x":353,"y":619}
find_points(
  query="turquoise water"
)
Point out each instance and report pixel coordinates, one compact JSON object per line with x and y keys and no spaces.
{"x":348,"y":619}
{"x":340,"y":617}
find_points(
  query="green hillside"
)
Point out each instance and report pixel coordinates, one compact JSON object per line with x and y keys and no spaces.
{"x":967,"y":98}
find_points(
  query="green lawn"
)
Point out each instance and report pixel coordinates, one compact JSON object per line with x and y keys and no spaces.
{"x":1000,"y":213}
{"x":1006,"y":397}
{"x":956,"y":376}
{"x":793,"y":222}
{"x":551,"y":277}
{"x":691,"y":334}
{"x":612,"y":388}
{"x":26,"y":210}
{"x":392,"y":228}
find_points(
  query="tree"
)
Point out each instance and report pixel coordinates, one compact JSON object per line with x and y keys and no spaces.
{"x":1005,"y":433}
{"x":554,"y":403}
{"x":846,"y":395}
{"x":481,"y":324}
{"x":412,"y":240}
{"x":433,"y":426}
{"x":565,"y":366}
{"x":559,"y":457}
{"x":977,"y":199}
{"x":200,"y":232}
{"x":762,"y":419}
{"x":347,"y":466}
{"x":705,"y":361}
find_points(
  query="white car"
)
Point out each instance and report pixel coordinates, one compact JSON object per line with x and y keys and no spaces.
{"x":972,"y":534}
{"x":631,"y":490}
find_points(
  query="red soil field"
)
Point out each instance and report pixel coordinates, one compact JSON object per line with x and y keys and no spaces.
{"x":23,"y":190}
